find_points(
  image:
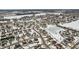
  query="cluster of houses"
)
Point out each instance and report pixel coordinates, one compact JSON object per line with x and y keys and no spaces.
{"x":28,"y":31}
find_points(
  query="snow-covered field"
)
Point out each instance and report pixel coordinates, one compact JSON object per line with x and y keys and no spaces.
{"x":16,"y":16}
{"x":53,"y":30}
{"x":19,"y":16}
{"x":40,"y":14}
{"x":72,"y":25}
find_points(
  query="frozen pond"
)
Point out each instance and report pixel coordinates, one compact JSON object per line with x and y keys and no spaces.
{"x":53,"y":30}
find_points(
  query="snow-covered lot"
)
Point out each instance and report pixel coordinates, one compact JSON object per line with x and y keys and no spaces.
{"x":53,"y":30}
{"x":72,"y":25}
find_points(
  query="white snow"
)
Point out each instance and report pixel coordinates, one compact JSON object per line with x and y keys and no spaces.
{"x":57,"y":13}
{"x":40,"y":14}
{"x":19,"y":16}
{"x":54,"y":32}
{"x":72,"y":25}
{"x":16,"y":16}
{"x":48,"y":13}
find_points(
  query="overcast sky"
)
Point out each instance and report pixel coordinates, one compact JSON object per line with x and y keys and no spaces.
{"x":38,"y":4}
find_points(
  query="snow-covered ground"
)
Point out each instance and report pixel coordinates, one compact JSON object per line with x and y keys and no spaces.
{"x":53,"y":30}
{"x":55,"y":13}
{"x":19,"y":16}
{"x":16,"y":16}
{"x":40,"y":14}
{"x":72,"y":25}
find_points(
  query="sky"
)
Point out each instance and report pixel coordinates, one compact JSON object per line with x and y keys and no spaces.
{"x":39,"y":4}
